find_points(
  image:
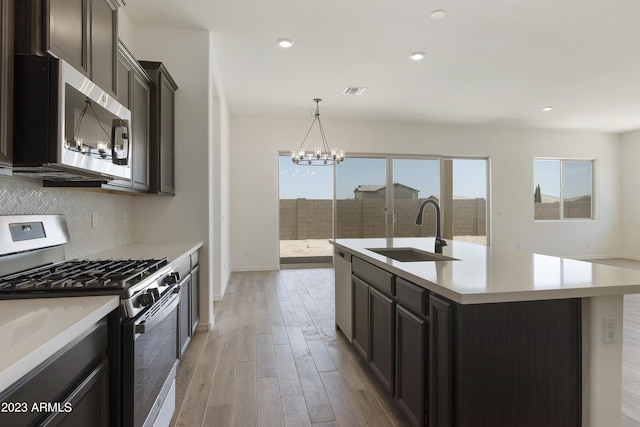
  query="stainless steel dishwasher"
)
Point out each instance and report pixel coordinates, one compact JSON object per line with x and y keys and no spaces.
{"x":342,"y":265}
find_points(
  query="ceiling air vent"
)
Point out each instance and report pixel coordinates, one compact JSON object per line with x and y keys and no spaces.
{"x":352,"y":90}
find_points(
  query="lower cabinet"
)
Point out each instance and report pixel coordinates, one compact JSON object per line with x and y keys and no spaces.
{"x":440,"y":363}
{"x":194,"y":312}
{"x":381,"y":338}
{"x":411,"y":361}
{"x":189,"y":305}
{"x":457,"y":365}
{"x":360,"y":317}
{"x":69,"y":389}
{"x":184,"y":306}
{"x":85,"y":402}
{"x":374,"y":323}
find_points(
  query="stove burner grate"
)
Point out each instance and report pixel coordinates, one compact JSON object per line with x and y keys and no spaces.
{"x":80,"y":274}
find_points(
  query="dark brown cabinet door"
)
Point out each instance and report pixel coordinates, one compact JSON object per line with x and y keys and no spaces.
{"x":360,"y":316}
{"x":134,"y":92}
{"x":67,"y":31}
{"x":440,"y":363}
{"x":124,"y":73}
{"x":382,"y":337}
{"x":194,"y":313}
{"x":85,"y":34}
{"x":140,"y":116}
{"x":6,"y":81}
{"x":162,"y":131}
{"x":167,"y":137}
{"x":88,"y":403}
{"x":184,"y":326}
{"x":76,"y":378}
{"x":411,"y":360}
{"x":103,"y":43}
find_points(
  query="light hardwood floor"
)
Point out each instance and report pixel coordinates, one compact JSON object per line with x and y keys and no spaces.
{"x":274,"y":358}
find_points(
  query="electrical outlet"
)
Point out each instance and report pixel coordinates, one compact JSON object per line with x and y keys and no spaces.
{"x":610,"y":329}
{"x":94,"y":219}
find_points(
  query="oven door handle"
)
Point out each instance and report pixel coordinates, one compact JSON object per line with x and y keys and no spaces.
{"x":154,"y":320}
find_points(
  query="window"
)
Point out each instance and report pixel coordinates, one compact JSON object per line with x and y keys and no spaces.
{"x":562,"y":189}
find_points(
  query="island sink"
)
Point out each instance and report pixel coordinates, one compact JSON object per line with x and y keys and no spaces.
{"x":410,"y":254}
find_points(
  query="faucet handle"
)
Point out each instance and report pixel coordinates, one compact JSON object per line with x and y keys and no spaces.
{"x":442,"y":241}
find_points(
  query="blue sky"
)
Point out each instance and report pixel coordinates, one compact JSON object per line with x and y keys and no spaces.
{"x":315,"y":182}
{"x":577,"y":177}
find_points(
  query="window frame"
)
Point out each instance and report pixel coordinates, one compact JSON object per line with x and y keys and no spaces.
{"x":562,"y":162}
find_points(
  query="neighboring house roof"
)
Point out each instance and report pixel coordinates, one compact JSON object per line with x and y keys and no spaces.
{"x":376,"y":188}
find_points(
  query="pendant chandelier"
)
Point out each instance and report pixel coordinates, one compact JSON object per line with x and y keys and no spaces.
{"x":319,"y":156}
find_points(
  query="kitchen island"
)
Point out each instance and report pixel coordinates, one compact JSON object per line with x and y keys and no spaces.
{"x":495,"y":337}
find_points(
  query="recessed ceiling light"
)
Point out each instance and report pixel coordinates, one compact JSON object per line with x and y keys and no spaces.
{"x":285,"y":43}
{"x":547,"y":108}
{"x":417,"y":56}
{"x":438,"y":14}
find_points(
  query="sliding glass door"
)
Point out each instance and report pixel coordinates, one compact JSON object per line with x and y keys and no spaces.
{"x":361,"y":198}
{"x":367,"y":206}
{"x":355,"y":200}
{"x":414,"y":180}
{"x":306,"y":213}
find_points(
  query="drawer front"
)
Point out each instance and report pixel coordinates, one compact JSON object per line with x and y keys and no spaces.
{"x":374,"y":276}
{"x":412,"y":297}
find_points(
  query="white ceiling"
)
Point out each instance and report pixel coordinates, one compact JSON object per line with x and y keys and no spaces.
{"x":493,"y":62}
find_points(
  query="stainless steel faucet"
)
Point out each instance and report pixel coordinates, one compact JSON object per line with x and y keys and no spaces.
{"x":440,"y":242}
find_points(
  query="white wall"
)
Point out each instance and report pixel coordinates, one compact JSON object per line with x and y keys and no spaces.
{"x":254,"y":179}
{"x":191,"y":214}
{"x":631,"y":194}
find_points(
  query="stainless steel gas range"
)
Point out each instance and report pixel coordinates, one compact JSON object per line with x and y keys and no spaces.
{"x":32,"y":265}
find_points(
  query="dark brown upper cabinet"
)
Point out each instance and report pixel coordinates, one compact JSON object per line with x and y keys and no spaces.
{"x":83,"y":33}
{"x":6,"y":82}
{"x":134,"y":92}
{"x":162,"y":141}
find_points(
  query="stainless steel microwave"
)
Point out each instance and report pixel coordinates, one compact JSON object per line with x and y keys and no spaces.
{"x":65,"y":126}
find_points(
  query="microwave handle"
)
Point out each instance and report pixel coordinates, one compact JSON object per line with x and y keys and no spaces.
{"x":120,"y":148}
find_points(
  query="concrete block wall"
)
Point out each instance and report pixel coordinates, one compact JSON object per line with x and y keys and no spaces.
{"x":312,"y":219}
{"x":571,"y":209}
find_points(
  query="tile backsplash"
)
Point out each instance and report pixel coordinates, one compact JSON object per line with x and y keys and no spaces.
{"x":114,"y":227}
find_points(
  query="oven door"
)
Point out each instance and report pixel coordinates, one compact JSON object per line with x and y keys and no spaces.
{"x":149,"y":360}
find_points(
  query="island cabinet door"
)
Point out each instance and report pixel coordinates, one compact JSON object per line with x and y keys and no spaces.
{"x":360,"y":316}
{"x":440,"y":363}
{"x":382,"y":338}
{"x":411,"y":353}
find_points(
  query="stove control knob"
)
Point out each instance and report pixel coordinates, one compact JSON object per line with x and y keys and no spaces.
{"x":145,"y":300}
{"x":172,"y":278}
{"x":155,"y":293}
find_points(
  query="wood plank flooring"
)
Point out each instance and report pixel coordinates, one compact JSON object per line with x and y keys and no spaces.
{"x":274,"y":358}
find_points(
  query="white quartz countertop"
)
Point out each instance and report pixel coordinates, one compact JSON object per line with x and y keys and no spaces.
{"x":483,"y":274}
{"x":174,"y":252}
{"x":32,"y":330}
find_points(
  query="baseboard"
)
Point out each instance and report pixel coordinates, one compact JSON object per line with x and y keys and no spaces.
{"x":204,"y":327}
{"x":590,"y":257}
{"x":242,"y":269}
